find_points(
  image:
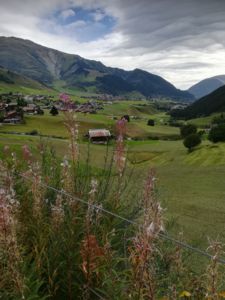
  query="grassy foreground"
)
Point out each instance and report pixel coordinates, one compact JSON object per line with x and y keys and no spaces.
{"x":74,"y":228}
{"x":190,"y":186}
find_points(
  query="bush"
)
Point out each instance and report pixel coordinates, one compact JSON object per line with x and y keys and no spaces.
{"x":33,"y":132}
{"x":175,"y":123}
{"x":151,"y":122}
{"x":40,"y":111}
{"x":201,"y":132}
{"x":192,"y":141}
{"x":217,"y":134}
{"x":1,"y":116}
{"x":54,"y":111}
{"x":219,"y":119}
{"x":186,"y":130}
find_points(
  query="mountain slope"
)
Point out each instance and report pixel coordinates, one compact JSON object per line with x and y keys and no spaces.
{"x":50,"y":66}
{"x":207,"y":86}
{"x":11,"y":81}
{"x":214,"y":102}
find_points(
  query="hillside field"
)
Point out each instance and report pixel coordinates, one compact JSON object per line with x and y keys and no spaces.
{"x":190,"y":186}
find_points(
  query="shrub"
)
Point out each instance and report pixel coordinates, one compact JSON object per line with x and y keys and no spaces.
{"x":192,"y":141}
{"x":40,"y":111}
{"x":186,"y":130}
{"x":54,"y":111}
{"x":2,"y":116}
{"x":175,"y":123}
{"x":201,"y":132}
{"x":33,"y":132}
{"x":219,"y":119}
{"x":217,"y":133}
{"x":151,"y":122}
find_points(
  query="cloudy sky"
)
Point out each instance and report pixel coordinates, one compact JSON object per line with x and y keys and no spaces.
{"x":181,"y":40}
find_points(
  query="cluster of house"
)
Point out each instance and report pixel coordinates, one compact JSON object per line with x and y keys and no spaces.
{"x":9,"y":113}
{"x":90,"y":107}
{"x":12,"y":113}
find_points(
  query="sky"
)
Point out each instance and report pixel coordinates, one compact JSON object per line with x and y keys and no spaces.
{"x":180,"y":40}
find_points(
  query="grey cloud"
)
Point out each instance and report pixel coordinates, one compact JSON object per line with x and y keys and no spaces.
{"x":157,"y":35}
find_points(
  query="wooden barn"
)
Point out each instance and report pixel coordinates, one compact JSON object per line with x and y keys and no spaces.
{"x":99,"y":136}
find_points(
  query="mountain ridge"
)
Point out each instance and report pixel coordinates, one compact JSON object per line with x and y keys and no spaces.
{"x":12,"y":81}
{"x":212,"y":103}
{"x":207,"y":86}
{"x":47,"y":65}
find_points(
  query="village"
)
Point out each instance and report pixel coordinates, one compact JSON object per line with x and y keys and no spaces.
{"x":14,"y":108}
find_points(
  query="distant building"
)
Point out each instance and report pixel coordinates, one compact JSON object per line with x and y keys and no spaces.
{"x":99,"y":136}
{"x":12,"y":117}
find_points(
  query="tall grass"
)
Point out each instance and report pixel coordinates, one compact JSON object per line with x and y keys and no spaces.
{"x":61,"y":237}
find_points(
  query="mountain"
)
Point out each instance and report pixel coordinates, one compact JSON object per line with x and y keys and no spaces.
{"x":214,"y":102}
{"x":207,"y":86}
{"x":11,"y":81}
{"x":57,"y":69}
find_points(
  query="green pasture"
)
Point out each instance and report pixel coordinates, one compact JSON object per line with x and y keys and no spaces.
{"x":191,"y":186}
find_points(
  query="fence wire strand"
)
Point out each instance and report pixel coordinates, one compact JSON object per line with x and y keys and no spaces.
{"x":161,"y":235}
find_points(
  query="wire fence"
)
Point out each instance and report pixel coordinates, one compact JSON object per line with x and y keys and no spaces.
{"x":96,"y":207}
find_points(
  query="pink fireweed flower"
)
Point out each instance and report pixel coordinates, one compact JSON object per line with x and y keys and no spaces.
{"x":94,"y":185}
{"x":92,"y":213}
{"x":64,"y":97}
{"x":66,"y":100}
{"x":120,"y":152}
{"x":6,"y":150}
{"x":58,"y":211}
{"x":72,"y":128}
{"x":26,"y":153}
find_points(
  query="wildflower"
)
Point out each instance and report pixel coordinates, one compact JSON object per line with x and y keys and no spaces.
{"x":26,"y":153}
{"x":185,"y":294}
{"x":120,"y":153}
{"x":58,"y":211}
{"x":65,"y":100}
{"x":222,"y":294}
{"x":6,"y":150}
{"x":94,"y":185}
{"x":65,"y":163}
{"x":72,"y":128}
{"x":212,"y":273}
{"x":8,"y":224}
{"x":142,"y":251}
{"x":92,"y":211}
{"x":91,"y":254}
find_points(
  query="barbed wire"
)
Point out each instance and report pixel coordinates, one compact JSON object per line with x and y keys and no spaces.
{"x":99,"y":208}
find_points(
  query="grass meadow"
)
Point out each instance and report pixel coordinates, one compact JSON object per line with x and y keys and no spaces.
{"x":191,"y":186}
{"x":78,"y":223}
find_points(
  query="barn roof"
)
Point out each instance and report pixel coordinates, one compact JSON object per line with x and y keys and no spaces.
{"x":99,"y":133}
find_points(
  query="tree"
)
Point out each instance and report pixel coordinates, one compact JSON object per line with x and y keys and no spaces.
{"x":54,"y":111}
{"x":21,"y":102}
{"x":40,"y":111}
{"x":192,"y":141}
{"x":2,"y":116}
{"x":151,"y":122}
{"x":219,"y":119}
{"x":217,"y":134}
{"x":187,"y":130}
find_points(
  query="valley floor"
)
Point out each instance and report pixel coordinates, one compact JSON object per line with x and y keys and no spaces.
{"x":190,"y":186}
